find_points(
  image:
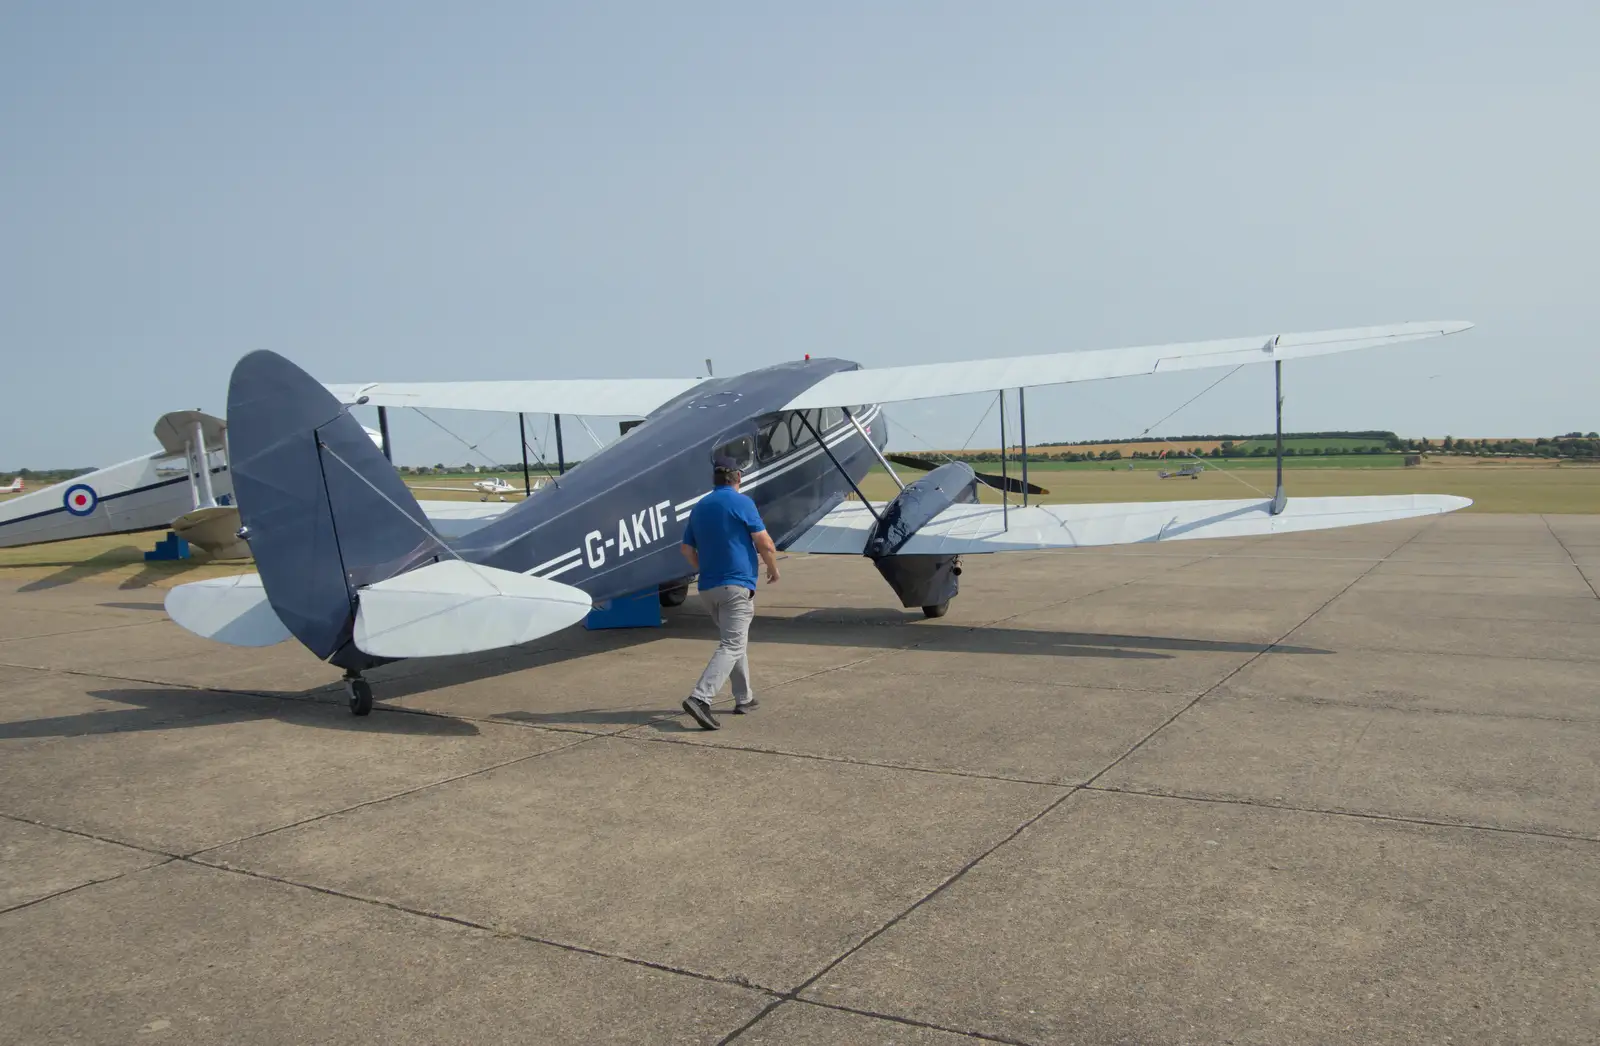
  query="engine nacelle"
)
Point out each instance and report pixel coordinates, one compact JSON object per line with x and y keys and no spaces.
{"x":926,"y":581}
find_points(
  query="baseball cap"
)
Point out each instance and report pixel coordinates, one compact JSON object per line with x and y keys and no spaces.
{"x":723,"y":463}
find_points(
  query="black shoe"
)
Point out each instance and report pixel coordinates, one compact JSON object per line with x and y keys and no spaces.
{"x":750,"y":705}
{"x":701,"y":713}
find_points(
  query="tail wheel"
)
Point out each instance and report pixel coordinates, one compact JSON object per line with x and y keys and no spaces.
{"x":674,"y":597}
{"x":360,"y":696}
{"x":938,"y":610}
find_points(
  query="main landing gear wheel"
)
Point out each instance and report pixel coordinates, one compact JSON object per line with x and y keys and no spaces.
{"x":938,"y":610}
{"x":674,"y":597}
{"x":360,"y":695}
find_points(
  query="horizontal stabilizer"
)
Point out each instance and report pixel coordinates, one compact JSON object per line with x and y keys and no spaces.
{"x":231,"y":610}
{"x":455,"y":607}
{"x":976,"y":529}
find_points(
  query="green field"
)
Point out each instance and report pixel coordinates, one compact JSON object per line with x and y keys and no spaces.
{"x":1492,"y":486}
{"x":1172,"y":463}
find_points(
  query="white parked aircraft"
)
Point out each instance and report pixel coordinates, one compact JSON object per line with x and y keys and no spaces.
{"x":486,"y":487}
{"x":187,"y":485}
{"x":14,"y":487}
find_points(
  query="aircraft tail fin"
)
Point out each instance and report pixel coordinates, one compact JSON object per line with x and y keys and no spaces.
{"x":323,"y":511}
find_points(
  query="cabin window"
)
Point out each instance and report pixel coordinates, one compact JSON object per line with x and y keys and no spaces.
{"x":832,"y":417}
{"x":775,"y":441}
{"x":741,"y":450}
{"x":797,"y":427}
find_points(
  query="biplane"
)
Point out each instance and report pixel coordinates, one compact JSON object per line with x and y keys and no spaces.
{"x":186,"y":484}
{"x":351,"y":567}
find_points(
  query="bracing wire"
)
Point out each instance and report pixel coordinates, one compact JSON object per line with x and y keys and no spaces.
{"x":1184,"y":451}
{"x":432,"y":535}
{"x":473,"y":447}
{"x":1212,"y":463}
{"x":979,"y":425}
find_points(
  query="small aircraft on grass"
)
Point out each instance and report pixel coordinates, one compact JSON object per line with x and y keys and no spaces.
{"x":350,"y":565}
{"x":1187,"y":472}
{"x":486,"y":487}
{"x":14,"y":487}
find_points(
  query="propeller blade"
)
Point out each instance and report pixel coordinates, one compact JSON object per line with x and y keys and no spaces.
{"x":1008,"y":483}
{"x":922,"y":464}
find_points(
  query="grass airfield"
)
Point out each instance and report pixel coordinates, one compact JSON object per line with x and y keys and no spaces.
{"x":1538,"y":488}
{"x":1327,"y":787}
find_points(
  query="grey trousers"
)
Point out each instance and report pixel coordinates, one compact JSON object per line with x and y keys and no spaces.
{"x":732,"y":609}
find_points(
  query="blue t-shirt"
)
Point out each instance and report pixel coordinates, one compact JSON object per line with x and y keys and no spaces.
{"x":719,"y":529}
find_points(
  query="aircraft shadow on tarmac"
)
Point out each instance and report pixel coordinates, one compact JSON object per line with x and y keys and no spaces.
{"x":116,"y":559}
{"x":157,"y":709}
{"x":322,"y":707}
{"x":883,"y":629}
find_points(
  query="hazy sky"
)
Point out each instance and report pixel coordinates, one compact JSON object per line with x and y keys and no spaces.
{"x":430,"y":191}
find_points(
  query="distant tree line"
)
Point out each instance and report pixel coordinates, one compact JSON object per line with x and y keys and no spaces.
{"x":534,"y":468}
{"x":1574,"y":445}
{"x":1387,"y":438}
{"x":1577,"y":446}
{"x":42,"y":477}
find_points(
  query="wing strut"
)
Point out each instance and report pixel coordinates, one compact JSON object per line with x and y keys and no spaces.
{"x":874,"y":448}
{"x":383,"y":430}
{"x":1005,"y":483}
{"x":522,"y":430}
{"x":1279,"y":500}
{"x":1022,"y":418}
{"x":829,"y":451}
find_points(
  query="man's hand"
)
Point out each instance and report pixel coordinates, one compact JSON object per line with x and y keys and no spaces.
{"x":769,"y":554}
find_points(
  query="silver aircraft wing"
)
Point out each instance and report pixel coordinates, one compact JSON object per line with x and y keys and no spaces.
{"x":598,"y":397}
{"x":933,"y":380}
{"x":976,"y":529}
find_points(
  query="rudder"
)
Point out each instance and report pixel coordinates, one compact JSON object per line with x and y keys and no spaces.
{"x":322,"y":509}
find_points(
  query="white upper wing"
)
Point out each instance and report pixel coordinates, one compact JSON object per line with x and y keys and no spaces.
{"x":600,"y":397}
{"x":974,"y":529}
{"x":929,"y":380}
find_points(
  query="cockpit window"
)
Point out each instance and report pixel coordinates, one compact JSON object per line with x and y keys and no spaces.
{"x":832,"y":417}
{"x":742,"y":450}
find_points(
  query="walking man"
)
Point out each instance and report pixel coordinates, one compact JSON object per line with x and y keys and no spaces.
{"x":721,"y":541}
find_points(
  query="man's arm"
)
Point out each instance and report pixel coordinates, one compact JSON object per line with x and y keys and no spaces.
{"x":768,"y":553}
{"x":690,"y":551}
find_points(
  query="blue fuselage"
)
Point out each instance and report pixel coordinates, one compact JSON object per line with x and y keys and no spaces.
{"x":613,"y":525}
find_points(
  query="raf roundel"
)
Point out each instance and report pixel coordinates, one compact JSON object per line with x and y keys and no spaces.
{"x":81,"y":499}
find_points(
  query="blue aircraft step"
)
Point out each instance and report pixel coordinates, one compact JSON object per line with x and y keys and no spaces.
{"x":169,"y":547}
{"x":640,"y":610}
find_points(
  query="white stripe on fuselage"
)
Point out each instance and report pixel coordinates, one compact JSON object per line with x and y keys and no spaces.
{"x":553,"y":562}
{"x":781,"y":466}
{"x":573,"y":558}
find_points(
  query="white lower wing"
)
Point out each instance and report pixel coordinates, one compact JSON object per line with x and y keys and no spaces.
{"x":453,"y":519}
{"x":975,"y":529}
